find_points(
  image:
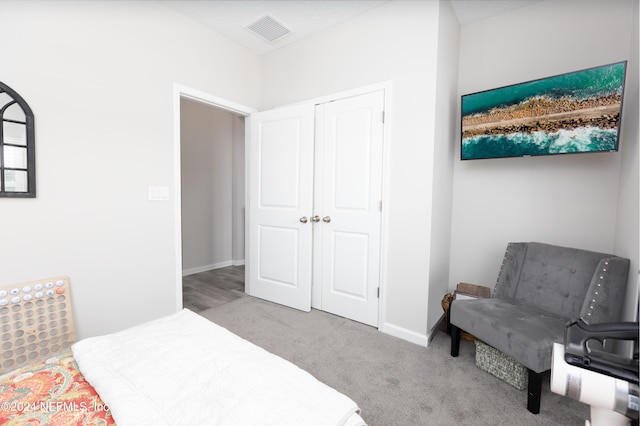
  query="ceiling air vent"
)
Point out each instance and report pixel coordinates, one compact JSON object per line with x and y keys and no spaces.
{"x":268,"y":29}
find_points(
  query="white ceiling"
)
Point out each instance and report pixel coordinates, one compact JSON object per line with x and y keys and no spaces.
{"x":305,"y":17}
{"x":469,"y":11}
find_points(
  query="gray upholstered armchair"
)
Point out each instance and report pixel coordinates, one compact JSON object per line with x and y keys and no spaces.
{"x":540,"y":288}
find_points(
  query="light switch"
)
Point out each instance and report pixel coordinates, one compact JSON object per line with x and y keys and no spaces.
{"x":158,"y":193}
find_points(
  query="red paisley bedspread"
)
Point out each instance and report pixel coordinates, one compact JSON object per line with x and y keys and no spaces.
{"x":51,"y":393}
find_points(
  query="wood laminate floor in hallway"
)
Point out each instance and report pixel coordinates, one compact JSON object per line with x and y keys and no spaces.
{"x":212,"y":288}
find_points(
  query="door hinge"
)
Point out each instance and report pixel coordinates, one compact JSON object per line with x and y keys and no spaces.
{"x":380,"y":205}
{"x":382,"y":116}
{"x":378,"y":292}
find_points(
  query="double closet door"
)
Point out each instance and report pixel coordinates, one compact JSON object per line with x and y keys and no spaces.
{"x":315,"y":206}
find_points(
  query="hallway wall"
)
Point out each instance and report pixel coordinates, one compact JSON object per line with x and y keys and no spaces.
{"x":211,"y":142}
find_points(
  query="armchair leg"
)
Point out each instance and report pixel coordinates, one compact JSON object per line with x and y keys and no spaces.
{"x":534,"y":392}
{"x":455,"y":341}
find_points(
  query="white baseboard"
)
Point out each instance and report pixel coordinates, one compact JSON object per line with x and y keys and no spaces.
{"x":204,"y":268}
{"x":404,"y":334}
{"x":198,"y":269}
{"x":439,"y":325}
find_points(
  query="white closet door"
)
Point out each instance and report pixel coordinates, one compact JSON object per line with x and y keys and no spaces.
{"x":348,"y":195}
{"x":280,"y":205}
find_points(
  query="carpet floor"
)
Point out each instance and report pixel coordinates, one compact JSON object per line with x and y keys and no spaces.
{"x":394,"y":382}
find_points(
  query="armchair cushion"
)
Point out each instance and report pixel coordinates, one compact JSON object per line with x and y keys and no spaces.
{"x":523,"y":332}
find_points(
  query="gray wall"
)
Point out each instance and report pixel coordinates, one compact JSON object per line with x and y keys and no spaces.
{"x":212,"y":158}
{"x":587,"y":201}
{"x":628,"y":214}
{"x":99,"y":77}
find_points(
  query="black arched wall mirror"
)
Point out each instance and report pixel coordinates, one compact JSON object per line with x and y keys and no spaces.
{"x":17,"y":146}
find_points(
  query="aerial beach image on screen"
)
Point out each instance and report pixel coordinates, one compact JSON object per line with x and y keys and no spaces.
{"x":568,"y":113}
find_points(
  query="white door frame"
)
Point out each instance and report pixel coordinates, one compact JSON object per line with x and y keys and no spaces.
{"x":180,"y":91}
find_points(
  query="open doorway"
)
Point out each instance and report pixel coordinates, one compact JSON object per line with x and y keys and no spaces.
{"x":211,"y":144}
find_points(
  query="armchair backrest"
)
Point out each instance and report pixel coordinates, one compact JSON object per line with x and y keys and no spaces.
{"x":607,"y":290}
{"x":559,"y":279}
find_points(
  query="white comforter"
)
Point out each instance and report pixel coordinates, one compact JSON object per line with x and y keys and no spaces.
{"x":186,"y":370}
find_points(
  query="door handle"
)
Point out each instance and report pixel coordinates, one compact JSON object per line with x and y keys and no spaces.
{"x":326,"y":219}
{"x":304,"y":219}
{"x":315,"y":218}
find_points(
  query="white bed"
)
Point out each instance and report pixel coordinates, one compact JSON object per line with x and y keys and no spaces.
{"x":185,"y":370}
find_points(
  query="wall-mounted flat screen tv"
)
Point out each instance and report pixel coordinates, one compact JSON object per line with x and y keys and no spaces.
{"x":568,"y":113}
